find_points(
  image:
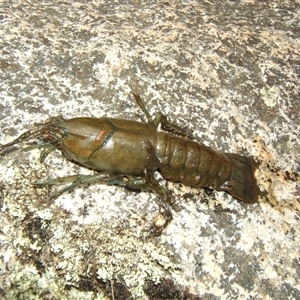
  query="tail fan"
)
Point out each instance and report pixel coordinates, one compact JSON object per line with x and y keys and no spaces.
{"x":242,"y":184}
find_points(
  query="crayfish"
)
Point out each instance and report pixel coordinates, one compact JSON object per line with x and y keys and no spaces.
{"x":128,"y":153}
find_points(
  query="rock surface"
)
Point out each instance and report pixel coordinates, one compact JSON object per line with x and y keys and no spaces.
{"x":228,"y":72}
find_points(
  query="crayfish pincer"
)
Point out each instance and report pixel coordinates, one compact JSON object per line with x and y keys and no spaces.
{"x":128,"y":153}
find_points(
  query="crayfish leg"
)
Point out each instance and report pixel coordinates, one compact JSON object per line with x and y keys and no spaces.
{"x":134,"y":182}
{"x":48,"y":148}
{"x":141,"y":104}
{"x":170,"y":127}
{"x":161,"y":119}
{"x":163,"y":201}
{"x":75,"y":181}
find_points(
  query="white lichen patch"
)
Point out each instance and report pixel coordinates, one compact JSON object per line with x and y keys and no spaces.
{"x":270,"y":96}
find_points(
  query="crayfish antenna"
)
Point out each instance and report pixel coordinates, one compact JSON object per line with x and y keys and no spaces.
{"x":23,"y":137}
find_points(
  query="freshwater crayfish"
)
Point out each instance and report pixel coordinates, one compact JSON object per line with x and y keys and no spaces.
{"x":128,"y":153}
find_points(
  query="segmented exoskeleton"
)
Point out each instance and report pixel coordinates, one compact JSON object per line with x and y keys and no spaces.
{"x":128,"y":153}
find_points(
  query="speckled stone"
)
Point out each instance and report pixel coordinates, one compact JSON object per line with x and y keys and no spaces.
{"x":226,"y":71}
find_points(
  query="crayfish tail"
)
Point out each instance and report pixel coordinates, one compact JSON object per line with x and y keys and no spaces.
{"x":242,"y":183}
